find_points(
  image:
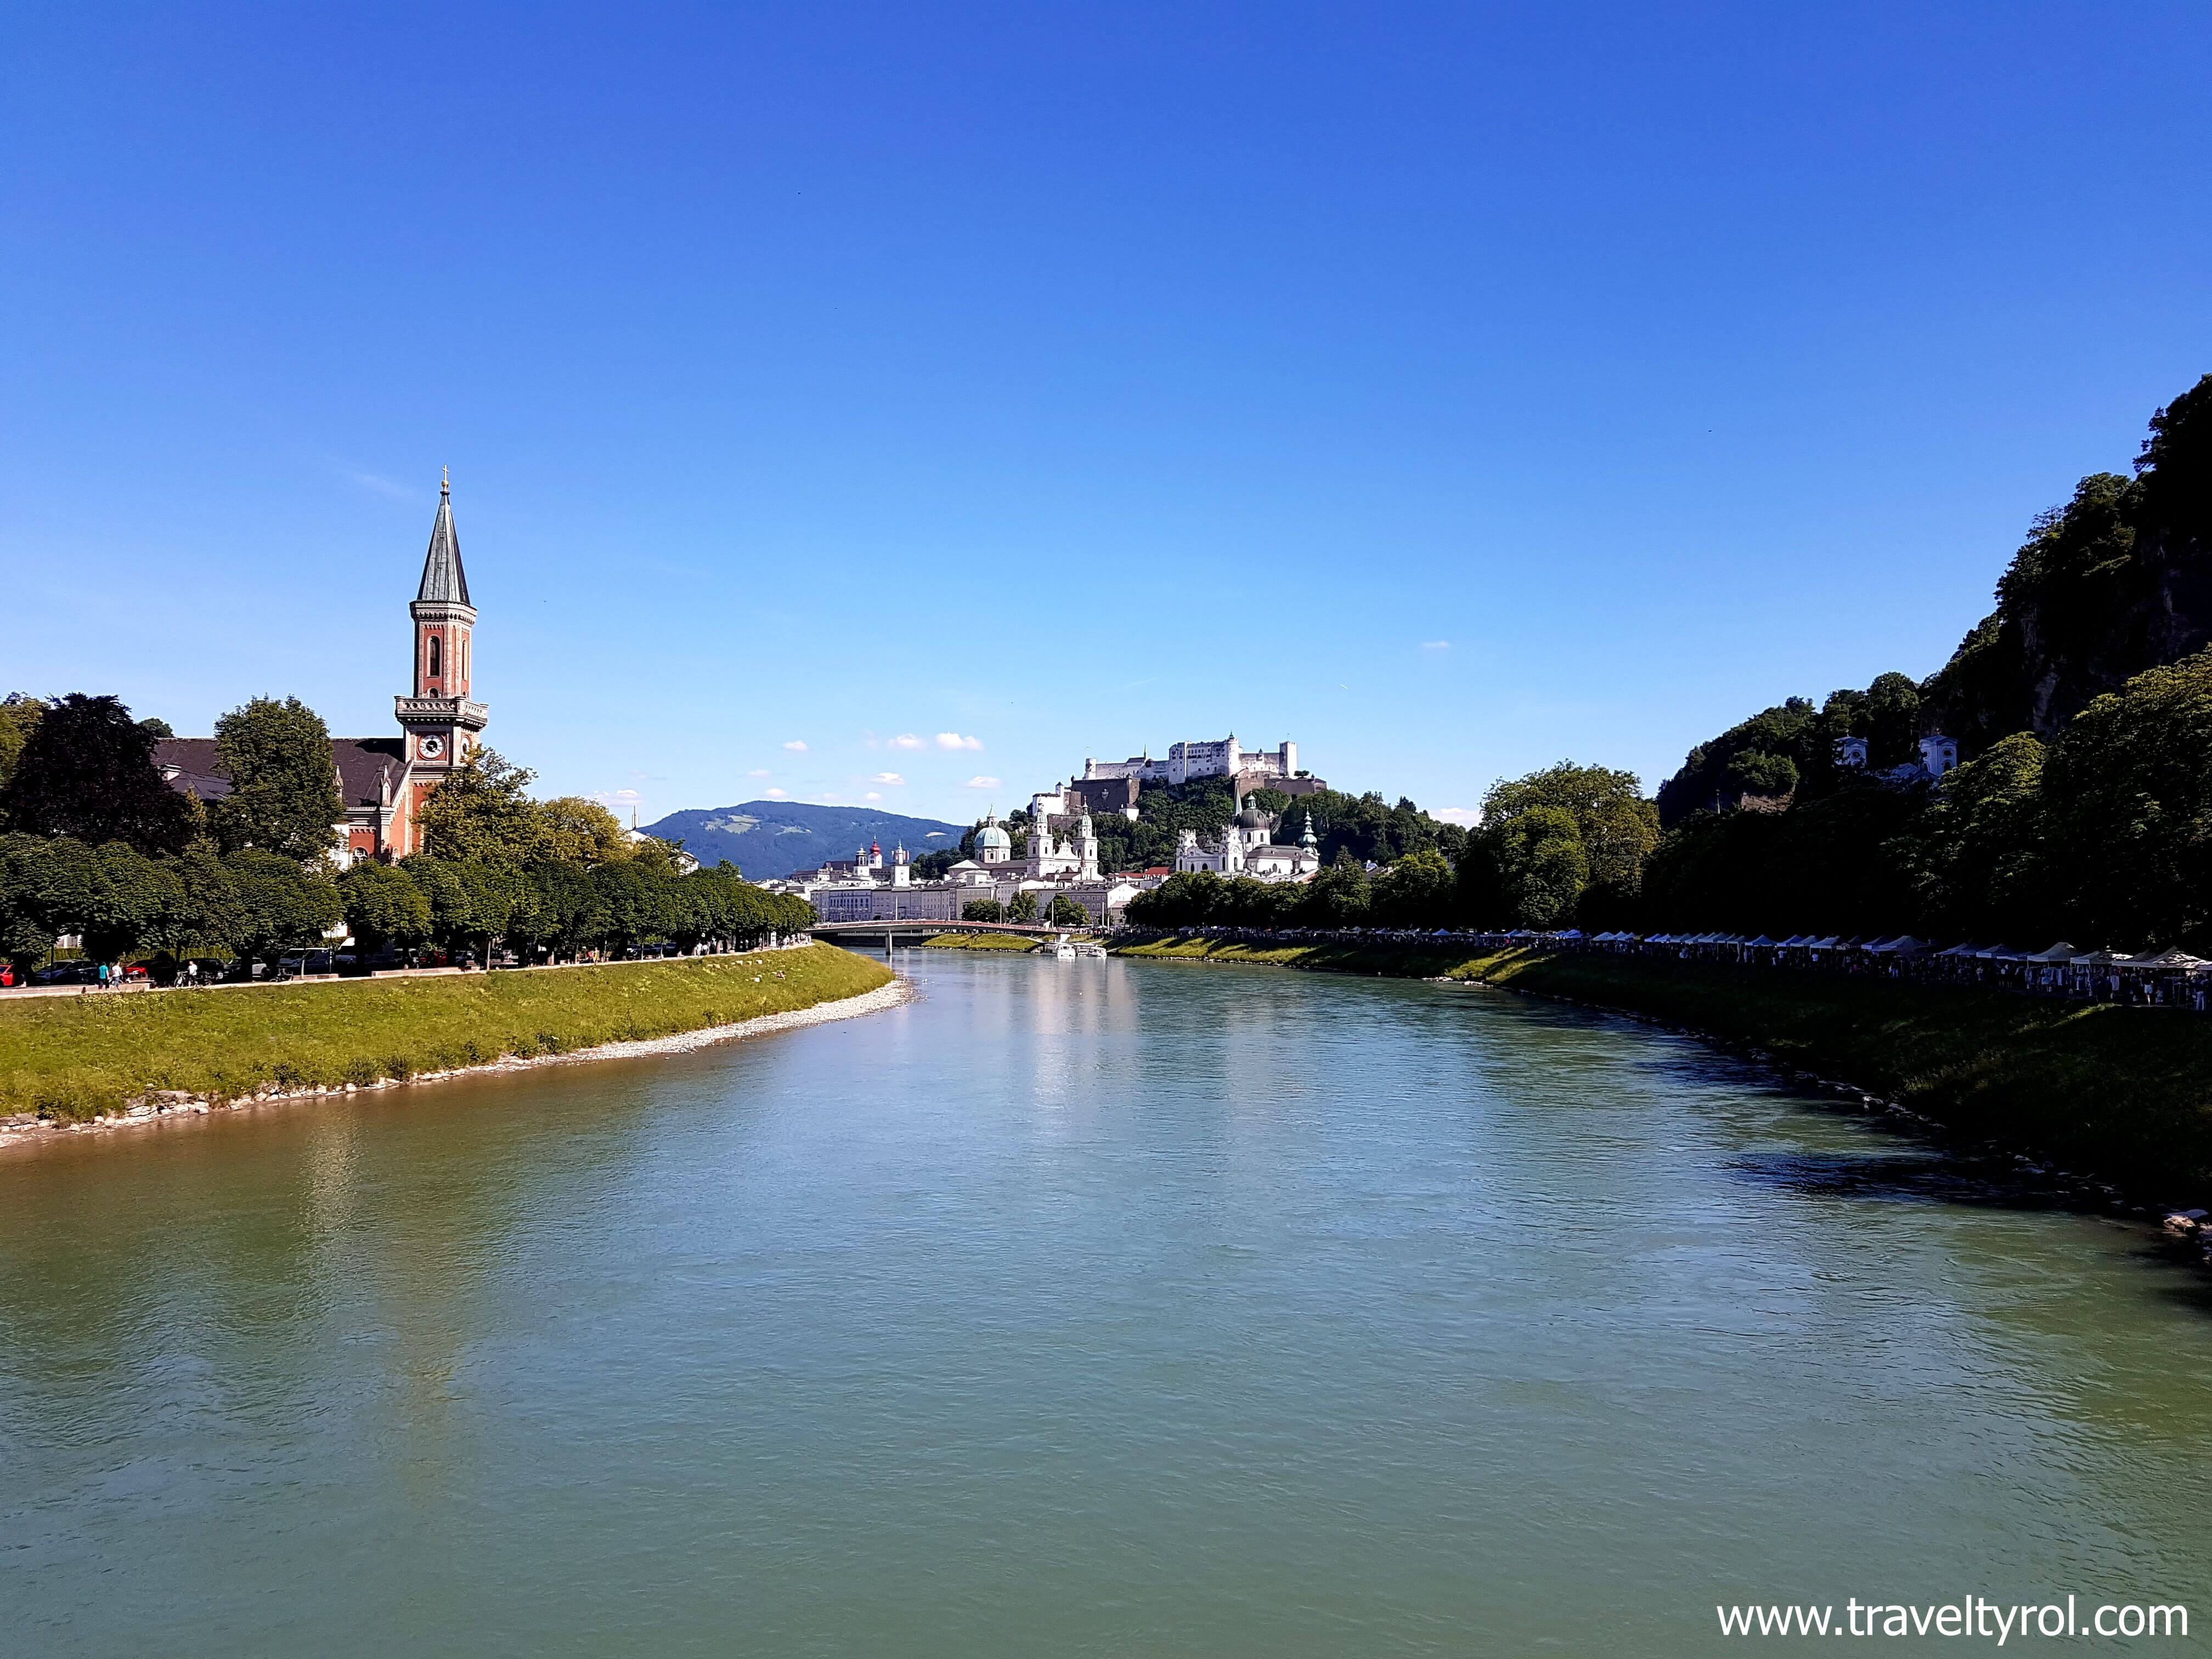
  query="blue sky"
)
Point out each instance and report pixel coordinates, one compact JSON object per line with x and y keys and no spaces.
{"x":1451,"y":389}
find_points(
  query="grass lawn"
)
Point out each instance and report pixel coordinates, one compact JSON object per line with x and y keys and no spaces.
{"x":77,"y":1056}
{"x":2124,"y":1093}
{"x":980,"y":942}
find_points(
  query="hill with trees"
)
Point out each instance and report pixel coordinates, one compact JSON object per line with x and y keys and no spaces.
{"x":2082,"y":706}
{"x":767,"y":839}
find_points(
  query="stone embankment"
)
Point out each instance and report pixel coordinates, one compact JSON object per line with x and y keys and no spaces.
{"x":170,"y":1104}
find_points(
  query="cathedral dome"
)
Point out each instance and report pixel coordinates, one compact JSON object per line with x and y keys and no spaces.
{"x":1251,"y":818}
{"x":991,"y":836}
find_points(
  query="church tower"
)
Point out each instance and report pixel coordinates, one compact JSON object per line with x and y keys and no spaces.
{"x":440,"y":720}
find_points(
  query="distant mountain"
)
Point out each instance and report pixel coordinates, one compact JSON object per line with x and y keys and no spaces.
{"x":770,"y":838}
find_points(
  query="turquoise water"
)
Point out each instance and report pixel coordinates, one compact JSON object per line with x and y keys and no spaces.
{"x":1076,"y":1307}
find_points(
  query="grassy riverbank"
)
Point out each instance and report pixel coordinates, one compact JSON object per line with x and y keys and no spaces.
{"x":2124,"y":1093}
{"x":76,"y":1057}
{"x":980,"y":942}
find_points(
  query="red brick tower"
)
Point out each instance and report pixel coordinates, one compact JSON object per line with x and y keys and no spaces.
{"x":440,"y":721}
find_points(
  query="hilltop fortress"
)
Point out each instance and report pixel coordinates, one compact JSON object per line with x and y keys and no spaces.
{"x":1225,"y":759}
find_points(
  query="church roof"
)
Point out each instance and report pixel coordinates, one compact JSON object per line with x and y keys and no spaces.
{"x":443,"y":579}
{"x":361,"y":765}
{"x":193,"y":763}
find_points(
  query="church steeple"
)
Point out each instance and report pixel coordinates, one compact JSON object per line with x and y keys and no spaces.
{"x":440,"y":716}
{"x":443,"y":579}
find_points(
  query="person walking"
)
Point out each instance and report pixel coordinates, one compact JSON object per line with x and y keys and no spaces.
{"x":103,"y":977}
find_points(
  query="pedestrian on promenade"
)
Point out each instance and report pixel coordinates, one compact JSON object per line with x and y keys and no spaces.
{"x":103,"y":977}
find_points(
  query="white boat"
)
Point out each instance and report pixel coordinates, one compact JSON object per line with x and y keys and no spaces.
{"x":1090,"y":947}
{"x":1063,"y":949}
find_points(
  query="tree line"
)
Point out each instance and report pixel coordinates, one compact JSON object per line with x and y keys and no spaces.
{"x":1553,"y":846}
{"x":95,"y":841}
{"x":1063,"y":912}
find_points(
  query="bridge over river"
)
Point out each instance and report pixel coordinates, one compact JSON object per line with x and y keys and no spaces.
{"x":909,"y":928}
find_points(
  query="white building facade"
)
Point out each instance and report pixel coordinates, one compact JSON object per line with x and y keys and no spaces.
{"x":1225,"y":759}
{"x":1245,"y":847}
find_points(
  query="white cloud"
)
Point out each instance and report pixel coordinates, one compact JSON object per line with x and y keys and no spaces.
{"x":954,"y":740}
{"x":757,"y":772}
{"x":891,"y":778}
{"x":1467,"y":815}
{"x":618,"y":798}
{"x":907,"y":741}
{"x":1435,"y":645}
{"x":798,"y":744}
{"x":871,"y":795}
{"x":775,"y":794}
{"x":979,"y":782}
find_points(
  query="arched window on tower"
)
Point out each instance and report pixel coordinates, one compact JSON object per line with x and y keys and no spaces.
{"x":434,"y":656}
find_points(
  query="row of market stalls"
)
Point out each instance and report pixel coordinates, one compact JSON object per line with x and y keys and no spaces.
{"x":2169,"y":978}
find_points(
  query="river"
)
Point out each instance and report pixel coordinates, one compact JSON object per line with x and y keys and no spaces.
{"x":1076,"y":1307}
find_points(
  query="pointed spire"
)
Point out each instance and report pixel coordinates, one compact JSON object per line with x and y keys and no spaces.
{"x":443,"y":579}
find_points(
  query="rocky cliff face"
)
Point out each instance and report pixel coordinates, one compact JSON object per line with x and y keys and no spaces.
{"x":2117,"y":581}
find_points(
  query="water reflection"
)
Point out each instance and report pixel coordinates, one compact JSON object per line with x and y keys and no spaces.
{"x":1082,"y":1305}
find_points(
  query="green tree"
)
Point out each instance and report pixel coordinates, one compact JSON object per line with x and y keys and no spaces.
{"x":1337,"y":897}
{"x":205,"y":916}
{"x":383,"y":907}
{"x":19,"y":718}
{"x":284,"y":793}
{"x":86,"y":771}
{"x":1481,"y":885}
{"x":2127,"y":797}
{"x":568,"y":915}
{"x":1189,"y":898}
{"x":639,"y":901}
{"x":1067,"y":912}
{"x":481,"y":810}
{"x":278,"y":906}
{"x":987,"y":909}
{"x":579,"y":831}
{"x":1023,"y":909}
{"x":1981,"y":858}
{"x":113,"y":895}
{"x":1419,"y":890}
{"x":499,"y":899}
{"x":2175,"y":466}
{"x":1755,"y":772}
{"x":1545,"y":865}
{"x":1614,"y":831}
{"x":453,"y":920}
